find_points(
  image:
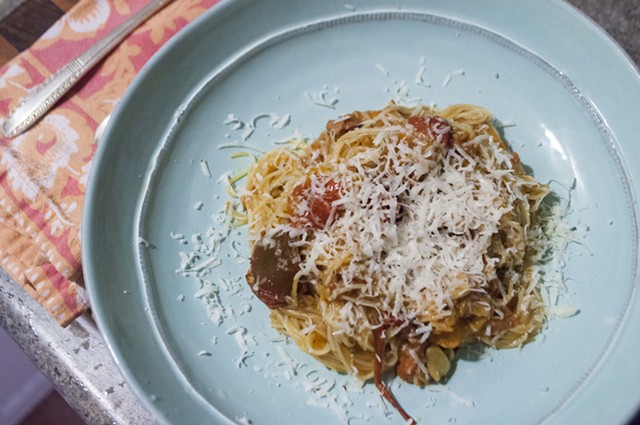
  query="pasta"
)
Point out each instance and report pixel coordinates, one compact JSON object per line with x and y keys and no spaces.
{"x":394,"y":238}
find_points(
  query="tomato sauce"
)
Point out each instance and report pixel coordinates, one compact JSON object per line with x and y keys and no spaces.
{"x":319,"y":201}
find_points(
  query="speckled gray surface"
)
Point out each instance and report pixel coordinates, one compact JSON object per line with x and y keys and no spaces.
{"x":619,"y":18}
{"x":76,"y":359}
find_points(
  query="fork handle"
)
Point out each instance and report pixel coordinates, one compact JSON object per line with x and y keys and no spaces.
{"x":43,"y":96}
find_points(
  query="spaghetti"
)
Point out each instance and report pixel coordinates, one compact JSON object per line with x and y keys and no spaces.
{"x":394,"y":238}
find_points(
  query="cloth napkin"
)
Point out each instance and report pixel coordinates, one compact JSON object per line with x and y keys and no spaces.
{"x":43,"y":172}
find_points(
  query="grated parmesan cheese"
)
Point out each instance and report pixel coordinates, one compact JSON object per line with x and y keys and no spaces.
{"x":449,"y":76}
{"x":143,"y":242}
{"x":243,"y":420}
{"x":204,"y":166}
{"x":234,"y":122}
{"x":321,"y":98}
{"x":382,"y":69}
{"x":412,"y":263}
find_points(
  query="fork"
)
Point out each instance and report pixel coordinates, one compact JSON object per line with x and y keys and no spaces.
{"x":42,"y":97}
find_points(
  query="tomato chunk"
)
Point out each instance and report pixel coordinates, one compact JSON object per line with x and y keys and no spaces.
{"x":313,"y":203}
{"x":436,"y":127}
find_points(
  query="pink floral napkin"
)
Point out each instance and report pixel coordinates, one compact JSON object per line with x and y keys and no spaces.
{"x":43,"y":172}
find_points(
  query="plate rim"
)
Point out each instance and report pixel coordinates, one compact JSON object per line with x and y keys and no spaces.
{"x":91,"y":191}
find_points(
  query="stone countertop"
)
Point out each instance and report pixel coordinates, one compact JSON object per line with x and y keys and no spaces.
{"x":619,"y":18}
{"x":77,"y":360}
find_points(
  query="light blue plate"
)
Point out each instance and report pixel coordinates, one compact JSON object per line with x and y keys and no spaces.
{"x":572,"y":95}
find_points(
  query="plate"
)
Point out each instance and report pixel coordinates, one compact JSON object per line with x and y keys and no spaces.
{"x":197,"y":347}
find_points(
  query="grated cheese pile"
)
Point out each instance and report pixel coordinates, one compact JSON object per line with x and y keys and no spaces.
{"x":416,"y":223}
{"x":451,"y":204}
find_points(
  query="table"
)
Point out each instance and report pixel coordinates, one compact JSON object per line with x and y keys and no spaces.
{"x":76,"y":359}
